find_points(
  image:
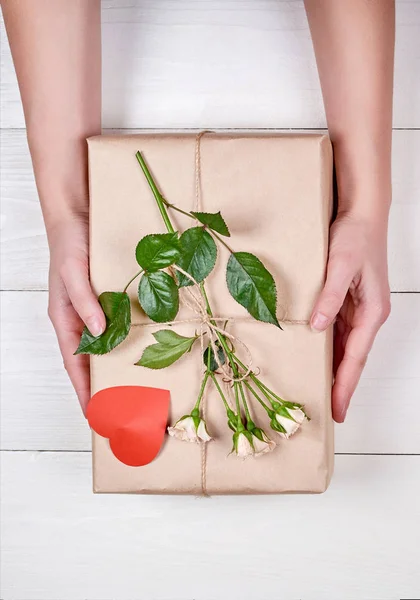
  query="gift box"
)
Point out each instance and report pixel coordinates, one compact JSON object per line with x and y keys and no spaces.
{"x":275,"y":193}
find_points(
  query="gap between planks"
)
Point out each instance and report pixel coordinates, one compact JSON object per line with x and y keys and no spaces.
{"x":218,"y":129}
{"x":26,"y":290}
{"x":37,"y":451}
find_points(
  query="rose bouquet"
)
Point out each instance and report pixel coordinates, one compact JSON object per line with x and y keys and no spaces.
{"x":173,"y":267}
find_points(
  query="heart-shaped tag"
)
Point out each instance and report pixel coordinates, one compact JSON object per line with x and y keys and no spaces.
{"x":133,"y":418}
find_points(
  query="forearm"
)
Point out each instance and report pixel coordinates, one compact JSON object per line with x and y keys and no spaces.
{"x":56,"y":49}
{"x":354,"y":46}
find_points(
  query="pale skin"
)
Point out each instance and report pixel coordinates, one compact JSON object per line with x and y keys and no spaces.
{"x":57,"y":55}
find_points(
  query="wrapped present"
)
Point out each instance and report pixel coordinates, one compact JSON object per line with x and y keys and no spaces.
{"x":275,"y":194}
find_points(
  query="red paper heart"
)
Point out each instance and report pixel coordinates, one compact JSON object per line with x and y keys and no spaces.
{"x":133,"y":418}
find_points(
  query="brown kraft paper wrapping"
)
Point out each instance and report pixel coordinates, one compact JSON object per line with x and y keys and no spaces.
{"x":275,"y":193}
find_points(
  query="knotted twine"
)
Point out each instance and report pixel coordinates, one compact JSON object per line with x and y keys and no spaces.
{"x":208,"y":324}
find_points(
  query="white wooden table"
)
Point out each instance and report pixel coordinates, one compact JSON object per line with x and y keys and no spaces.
{"x":208,"y":63}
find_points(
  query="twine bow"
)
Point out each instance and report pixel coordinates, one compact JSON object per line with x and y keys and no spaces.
{"x":208,"y":325}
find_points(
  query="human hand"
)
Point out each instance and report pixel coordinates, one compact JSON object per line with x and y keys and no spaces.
{"x":72,"y":303}
{"x":357,"y":292}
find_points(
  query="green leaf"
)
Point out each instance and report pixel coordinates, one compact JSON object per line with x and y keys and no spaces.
{"x":170,"y":348}
{"x":213,"y":363}
{"x":158,"y":296}
{"x":157,"y":251}
{"x":116,"y":306}
{"x":213,"y":220}
{"x":253,"y":286}
{"x":198,"y":255}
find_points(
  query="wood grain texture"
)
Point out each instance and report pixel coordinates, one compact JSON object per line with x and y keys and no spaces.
{"x":24,"y":252}
{"x":39,"y":407}
{"x":40,"y":411}
{"x":207,"y":63}
{"x":24,"y":248}
{"x":359,"y":541}
{"x":230,"y":63}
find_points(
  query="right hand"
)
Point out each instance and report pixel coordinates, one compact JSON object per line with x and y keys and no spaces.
{"x":72,"y":303}
{"x":356,"y":291}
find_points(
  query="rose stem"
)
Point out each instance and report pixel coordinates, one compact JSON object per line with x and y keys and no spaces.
{"x":220,"y":336}
{"x":221,"y":241}
{"x":156,"y":193}
{"x":191,"y":216}
{"x":254,"y":393}
{"x":248,"y":414}
{"x":239,"y":425}
{"x":183,"y":212}
{"x":267,"y":389}
{"x":132,"y":279}
{"x":200,"y":395}
{"x":219,"y":389}
{"x":263,"y":388}
{"x":203,"y":385}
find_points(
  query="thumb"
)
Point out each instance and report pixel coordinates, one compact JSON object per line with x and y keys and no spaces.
{"x":339,"y":277}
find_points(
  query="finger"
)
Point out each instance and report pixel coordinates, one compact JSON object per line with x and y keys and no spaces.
{"x":77,"y":366}
{"x":357,"y":348}
{"x":339,"y":277}
{"x":76,"y":279}
{"x":340,"y":334}
{"x":68,"y":327}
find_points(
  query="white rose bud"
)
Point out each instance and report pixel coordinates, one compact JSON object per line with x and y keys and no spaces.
{"x":190,"y":429}
{"x":242,"y":444}
{"x":290,"y":423}
{"x":202,"y":432}
{"x":262,"y":443}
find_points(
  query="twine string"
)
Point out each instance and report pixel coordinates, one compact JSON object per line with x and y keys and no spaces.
{"x":204,"y":315}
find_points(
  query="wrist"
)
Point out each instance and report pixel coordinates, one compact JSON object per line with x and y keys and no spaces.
{"x":67,"y":222}
{"x":61,"y":174}
{"x":364,"y":190}
{"x":367,"y":205}
{"x":362,"y":160}
{"x":374,"y":227}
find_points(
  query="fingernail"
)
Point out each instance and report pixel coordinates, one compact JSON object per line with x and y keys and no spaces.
{"x":319,"y":322}
{"x":95,"y":327}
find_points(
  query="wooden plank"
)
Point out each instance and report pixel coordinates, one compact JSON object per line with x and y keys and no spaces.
{"x":223,"y":63}
{"x":358,"y":541}
{"x":391,"y":377}
{"x":24,"y":251}
{"x":404,"y":222}
{"x":39,"y":407}
{"x":40,"y":411}
{"x":24,"y":248}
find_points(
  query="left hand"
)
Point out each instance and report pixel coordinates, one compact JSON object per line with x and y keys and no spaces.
{"x":72,"y":303}
{"x":357,"y":292}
